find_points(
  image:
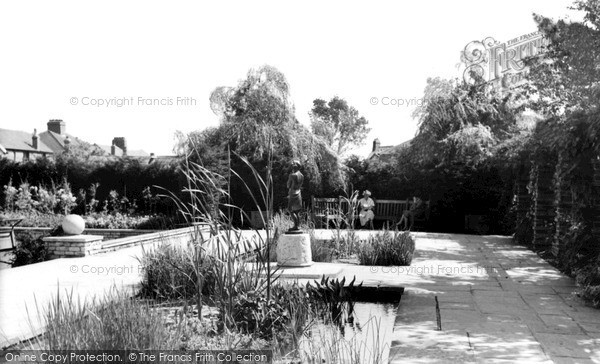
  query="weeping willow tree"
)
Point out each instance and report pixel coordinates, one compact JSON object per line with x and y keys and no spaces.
{"x":462,"y":123}
{"x":453,"y":158}
{"x":257,"y":121}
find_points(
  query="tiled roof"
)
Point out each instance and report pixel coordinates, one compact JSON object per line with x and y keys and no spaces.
{"x":51,"y":142}
{"x":107,"y":150}
{"x":385,"y":153}
{"x":137,"y":153}
{"x":21,"y":140}
{"x":119,"y":151}
{"x":56,"y":141}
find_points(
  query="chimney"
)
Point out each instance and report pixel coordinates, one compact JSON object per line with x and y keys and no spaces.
{"x":152,"y":158}
{"x":34,"y":139}
{"x":376,"y":144}
{"x":57,"y":126}
{"x":113,"y":149}
{"x":121,"y":143}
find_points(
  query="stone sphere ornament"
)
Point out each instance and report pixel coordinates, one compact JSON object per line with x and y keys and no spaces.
{"x":73,"y":224}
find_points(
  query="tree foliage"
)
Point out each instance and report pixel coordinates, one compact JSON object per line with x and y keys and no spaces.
{"x":564,"y":86}
{"x":338,"y":123}
{"x":461,"y":123}
{"x":257,"y":120}
{"x":566,"y":78}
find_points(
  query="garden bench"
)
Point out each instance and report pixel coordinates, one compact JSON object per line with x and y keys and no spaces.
{"x":336,"y":210}
{"x":326,"y":210}
{"x":8,"y":232}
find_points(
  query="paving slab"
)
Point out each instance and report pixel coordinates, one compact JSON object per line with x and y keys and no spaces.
{"x":499,"y":303}
{"x":571,"y":346}
{"x":315,"y":271}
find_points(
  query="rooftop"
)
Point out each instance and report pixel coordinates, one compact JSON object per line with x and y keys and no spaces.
{"x":21,"y":140}
{"x":385,"y":153}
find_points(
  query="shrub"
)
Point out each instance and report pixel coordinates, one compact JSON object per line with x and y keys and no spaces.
{"x":47,"y":200}
{"x":589,"y":280}
{"x":29,"y":250}
{"x":33,"y":218}
{"x":254,"y":315}
{"x":120,"y":174}
{"x":168,"y":273}
{"x":27,"y":198}
{"x":66,"y":200}
{"x":10,"y":196}
{"x":387,"y":248}
{"x":24,"y":199}
{"x":122,"y":221}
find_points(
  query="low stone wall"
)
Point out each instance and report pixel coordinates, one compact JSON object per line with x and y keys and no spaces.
{"x":84,"y":245}
{"x":179,"y":236}
{"x":108,"y":234}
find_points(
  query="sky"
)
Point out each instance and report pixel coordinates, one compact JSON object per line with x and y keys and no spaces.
{"x":63,"y":59}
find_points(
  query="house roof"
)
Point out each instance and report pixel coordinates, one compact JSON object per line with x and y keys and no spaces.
{"x":51,"y":142}
{"x":164,"y":159}
{"x":119,"y":151}
{"x":385,"y":153}
{"x":56,"y":141}
{"x":137,"y":153}
{"x":21,"y":140}
{"x":108,"y":151}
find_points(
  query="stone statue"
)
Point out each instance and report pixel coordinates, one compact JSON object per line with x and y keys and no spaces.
{"x":294,"y":185}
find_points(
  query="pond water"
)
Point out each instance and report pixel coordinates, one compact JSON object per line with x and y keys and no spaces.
{"x":364,"y":338}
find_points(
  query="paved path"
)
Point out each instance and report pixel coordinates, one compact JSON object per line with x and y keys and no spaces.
{"x":25,"y":289}
{"x":498,"y":302}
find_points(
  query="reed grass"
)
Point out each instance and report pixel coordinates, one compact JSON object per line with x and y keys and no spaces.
{"x":387,"y":248}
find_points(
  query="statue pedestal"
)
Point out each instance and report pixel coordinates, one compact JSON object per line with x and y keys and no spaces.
{"x":293,"y":250}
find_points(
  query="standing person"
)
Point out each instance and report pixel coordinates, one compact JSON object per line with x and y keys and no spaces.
{"x":366,"y":205}
{"x":294,"y":185}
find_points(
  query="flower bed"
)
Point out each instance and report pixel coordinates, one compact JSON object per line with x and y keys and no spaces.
{"x":99,"y":220}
